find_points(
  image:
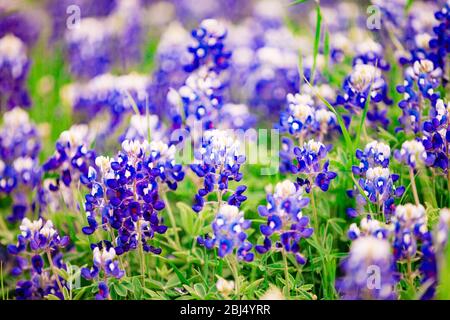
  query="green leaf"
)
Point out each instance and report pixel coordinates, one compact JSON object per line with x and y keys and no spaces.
{"x":51,"y":297}
{"x":200,"y":289}
{"x":362,"y":121}
{"x":178,"y":273}
{"x":316,"y":42}
{"x":120,"y":289}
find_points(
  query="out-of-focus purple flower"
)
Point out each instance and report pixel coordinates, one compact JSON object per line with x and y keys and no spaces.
{"x":410,"y":223}
{"x":369,"y":226}
{"x":114,"y":95}
{"x":411,"y":153}
{"x":58,"y":12}
{"x":369,"y":258}
{"x":96,"y":44}
{"x":14,"y":65}
{"x":171,"y":57}
{"x":23,"y":25}
{"x":209,"y":50}
{"x":20,"y":172}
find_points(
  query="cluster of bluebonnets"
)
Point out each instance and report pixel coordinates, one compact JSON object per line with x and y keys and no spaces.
{"x":233,"y":65}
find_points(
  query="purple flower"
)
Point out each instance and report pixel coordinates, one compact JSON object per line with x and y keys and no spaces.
{"x":375,"y":180}
{"x":35,"y":240}
{"x":369,"y":258}
{"x":219,"y":160}
{"x":14,"y":65}
{"x":71,"y":161}
{"x":104,"y":262}
{"x":304,"y":119}
{"x":209,"y":50}
{"x":124,"y":199}
{"x":311,"y":162}
{"x":285,"y":220}
{"x":228,"y":234}
{"x":412,"y":153}
{"x":365,"y":80}
{"x":20,"y":173}
{"x":436,"y":137}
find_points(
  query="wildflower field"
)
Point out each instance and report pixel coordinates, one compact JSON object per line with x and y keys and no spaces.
{"x":210,"y":150}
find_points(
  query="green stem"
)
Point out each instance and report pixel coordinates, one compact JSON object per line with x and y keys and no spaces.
{"x":232,"y":261}
{"x":314,"y":208}
{"x":55,"y":273}
{"x":286,"y":274}
{"x":172,"y":219}
{"x":141,"y":252}
{"x":413,"y":186}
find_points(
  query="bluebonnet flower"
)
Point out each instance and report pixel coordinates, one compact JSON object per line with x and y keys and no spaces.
{"x":105,"y":263}
{"x":72,"y":157}
{"x":141,"y":126}
{"x":365,"y":80}
{"x":370,"y":52}
{"x":375,"y":180}
{"x":368,"y":255}
{"x":264,"y":66}
{"x":19,"y":136}
{"x":433,"y":253}
{"x":285,"y":218}
{"x":220,"y":158}
{"x":228,"y":234}
{"x":286,"y":155}
{"x":41,"y":239}
{"x":440,"y":43}
{"x":162,"y":163}
{"x":436,"y":137}
{"x":113,"y":95}
{"x":236,"y":116}
{"x":426,"y":76}
{"x":368,"y":226}
{"x":57,"y":10}
{"x":14,"y":65}
{"x":23,"y":24}
{"x":171,"y":57}
{"x":97,"y":43}
{"x":421,"y":81}
{"x":127,"y":21}
{"x":209,"y":50}
{"x":89,"y":47}
{"x":412,"y":239}
{"x":304,"y":118}
{"x":412,"y":153}
{"x":410,"y":223}
{"x":312,"y":162}
{"x":124,"y":197}
{"x":20,"y":172}
{"x":199,"y":99}
{"x":442,"y":230}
